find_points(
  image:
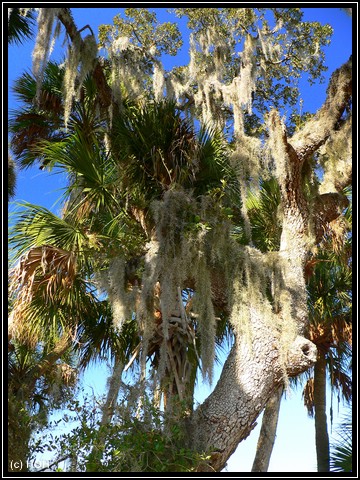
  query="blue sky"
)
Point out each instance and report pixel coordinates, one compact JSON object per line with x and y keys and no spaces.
{"x":294,"y":449}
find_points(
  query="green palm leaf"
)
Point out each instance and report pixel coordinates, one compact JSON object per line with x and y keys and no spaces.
{"x":20,"y":27}
{"x":35,"y":226}
{"x":341,"y":450}
{"x":263,"y":214}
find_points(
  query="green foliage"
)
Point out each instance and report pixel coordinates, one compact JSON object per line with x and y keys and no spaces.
{"x":341,"y":449}
{"x":20,"y":25}
{"x":144,"y":31}
{"x":264,"y":215}
{"x":31,"y":123}
{"x":134,"y":442}
{"x":11,"y":177}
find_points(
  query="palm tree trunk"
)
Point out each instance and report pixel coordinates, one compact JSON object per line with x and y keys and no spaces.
{"x":321,"y":433}
{"x":268,"y":432}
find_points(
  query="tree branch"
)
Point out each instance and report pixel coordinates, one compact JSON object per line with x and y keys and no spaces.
{"x":318,"y":129}
{"x":52,"y":464}
{"x":47,"y":363}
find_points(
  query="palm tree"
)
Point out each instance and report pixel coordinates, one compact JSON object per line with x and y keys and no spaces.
{"x":331,"y":330}
{"x":104,"y":206}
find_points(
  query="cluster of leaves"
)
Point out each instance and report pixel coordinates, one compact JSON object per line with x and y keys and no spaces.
{"x":142,"y":28}
{"x":133,"y":442}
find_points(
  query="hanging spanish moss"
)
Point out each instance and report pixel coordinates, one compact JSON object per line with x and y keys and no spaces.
{"x":42,"y":48}
{"x":113,"y":282}
{"x":79,"y":62}
{"x":158,"y":81}
{"x":336,"y":158}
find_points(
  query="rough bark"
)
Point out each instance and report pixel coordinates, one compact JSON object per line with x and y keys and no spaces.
{"x":253,"y":370}
{"x":321,"y":433}
{"x":327,"y":207}
{"x":250,"y":375}
{"x":268,"y":432}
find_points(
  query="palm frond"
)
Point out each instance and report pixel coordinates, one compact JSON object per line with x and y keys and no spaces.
{"x":214,"y":170}
{"x":20,"y":26}
{"x":341,"y":449}
{"x":263,"y":214}
{"x":308,"y":396}
{"x":36,"y":226}
{"x":100,"y":339}
{"x":154,"y":145}
{"x":11,"y":177}
{"x":93,"y":175}
{"x":35,"y":121}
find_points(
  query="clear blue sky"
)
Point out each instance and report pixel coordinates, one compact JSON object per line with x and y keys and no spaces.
{"x":294,"y":449}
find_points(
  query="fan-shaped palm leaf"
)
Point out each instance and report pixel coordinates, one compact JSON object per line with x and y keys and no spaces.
{"x":155,"y":146}
{"x":341,"y":450}
{"x":20,"y":25}
{"x":35,"y":226}
{"x":38,"y":120}
{"x":263,"y":214}
{"x":43,"y":119}
{"x":92,"y":173}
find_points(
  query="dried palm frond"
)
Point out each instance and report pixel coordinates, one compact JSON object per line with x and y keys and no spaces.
{"x":43,"y":272}
{"x":308,"y":396}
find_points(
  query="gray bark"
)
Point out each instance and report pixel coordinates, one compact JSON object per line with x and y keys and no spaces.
{"x":114,"y":384}
{"x":252,"y":372}
{"x":268,"y":432}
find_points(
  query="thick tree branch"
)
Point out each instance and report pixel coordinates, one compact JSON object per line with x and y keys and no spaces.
{"x":268,"y":432}
{"x":252,"y":372}
{"x":319,"y":128}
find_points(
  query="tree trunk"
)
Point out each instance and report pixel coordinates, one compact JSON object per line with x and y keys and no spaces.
{"x":268,"y":432}
{"x":254,"y":370}
{"x":321,"y":433}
